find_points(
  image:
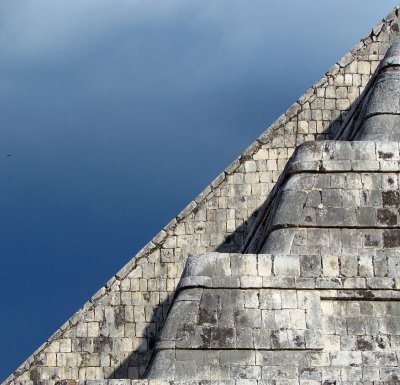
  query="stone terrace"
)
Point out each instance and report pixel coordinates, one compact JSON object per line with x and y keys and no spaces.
{"x":115,"y":333}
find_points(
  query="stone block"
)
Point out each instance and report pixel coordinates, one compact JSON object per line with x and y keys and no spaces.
{"x":264,"y":265}
{"x":244,"y":264}
{"x":310,"y":266}
{"x":330,"y":265}
{"x":286,"y":265}
{"x":248,"y":318}
{"x":243,"y":373}
{"x":237,"y":357}
{"x":288,"y":299}
{"x":244,"y":338}
{"x":380,"y":283}
{"x":346,"y":358}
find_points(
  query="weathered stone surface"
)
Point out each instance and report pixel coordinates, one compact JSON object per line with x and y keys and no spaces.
{"x":330,"y":227}
{"x":321,"y":295}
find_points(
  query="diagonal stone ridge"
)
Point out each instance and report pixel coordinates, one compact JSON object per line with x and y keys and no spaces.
{"x":314,"y":296}
{"x":285,"y":270}
{"x":378,"y":114}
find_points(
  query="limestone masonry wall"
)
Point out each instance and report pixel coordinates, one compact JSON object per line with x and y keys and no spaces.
{"x":332,"y":196}
{"x":290,"y":318}
{"x":201,"y":382}
{"x":114,"y":334}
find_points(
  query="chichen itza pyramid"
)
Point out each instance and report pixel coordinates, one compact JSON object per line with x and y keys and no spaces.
{"x":284,"y":270}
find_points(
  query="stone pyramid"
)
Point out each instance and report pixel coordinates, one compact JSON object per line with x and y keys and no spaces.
{"x":285,"y":270}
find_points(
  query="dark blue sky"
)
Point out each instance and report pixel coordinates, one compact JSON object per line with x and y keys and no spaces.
{"x":116,"y":114}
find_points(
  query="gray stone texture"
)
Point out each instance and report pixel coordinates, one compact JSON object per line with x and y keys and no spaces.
{"x":330,"y":234}
{"x":312,"y":296}
{"x":337,"y":321}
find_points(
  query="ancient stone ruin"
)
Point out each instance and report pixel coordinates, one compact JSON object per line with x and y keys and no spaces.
{"x":285,"y":270}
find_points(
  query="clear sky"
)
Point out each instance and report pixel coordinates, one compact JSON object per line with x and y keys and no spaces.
{"x":115,"y":114}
